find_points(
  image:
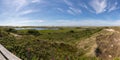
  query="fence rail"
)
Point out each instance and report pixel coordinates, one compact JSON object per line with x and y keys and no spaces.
{"x":7,"y":55}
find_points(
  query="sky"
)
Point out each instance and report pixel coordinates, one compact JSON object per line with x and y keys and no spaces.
{"x":60,"y":12}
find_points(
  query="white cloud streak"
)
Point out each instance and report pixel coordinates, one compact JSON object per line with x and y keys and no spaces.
{"x":68,"y":2}
{"x":60,"y":9}
{"x":75,"y":10}
{"x":36,"y":1}
{"x":17,"y":5}
{"x":98,"y":6}
{"x":113,"y":7}
{"x":20,"y":4}
{"x":70,"y":12}
{"x":26,"y":12}
{"x":83,"y":5}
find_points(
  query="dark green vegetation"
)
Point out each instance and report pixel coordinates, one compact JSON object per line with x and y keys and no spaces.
{"x":47,"y":44}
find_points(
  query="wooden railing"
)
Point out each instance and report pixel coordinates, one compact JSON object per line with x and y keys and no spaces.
{"x":7,"y":55}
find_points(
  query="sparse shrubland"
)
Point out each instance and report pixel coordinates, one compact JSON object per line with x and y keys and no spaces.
{"x":47,"y":44}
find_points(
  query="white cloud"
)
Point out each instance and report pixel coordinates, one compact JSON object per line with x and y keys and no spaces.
{"x":75,"y":10}
{"x":83,"y":5}
{"x":35,"y":1}
{"x":15,"y":5}
{"x":68,"y":3}
{"x":99,"y":6}
{"x":19,"y":4}
{"x":113,"y":7}
{"x":17,"y":14}
{"x":16,"y":8}
{"x":60,"y":9}
{"x":26,"y":12}
{"x":70,"y":12}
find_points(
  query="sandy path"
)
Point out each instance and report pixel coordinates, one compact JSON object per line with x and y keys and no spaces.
{"x":112,"y":30}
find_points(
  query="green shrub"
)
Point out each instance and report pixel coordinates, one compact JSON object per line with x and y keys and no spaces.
{"x":33,"y":32}
{"x":11,"y":30}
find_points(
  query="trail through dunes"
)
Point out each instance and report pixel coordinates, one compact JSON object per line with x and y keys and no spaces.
{"x":15,"y":35}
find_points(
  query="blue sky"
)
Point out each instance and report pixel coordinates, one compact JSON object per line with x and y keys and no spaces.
{"x":60,"y":12}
